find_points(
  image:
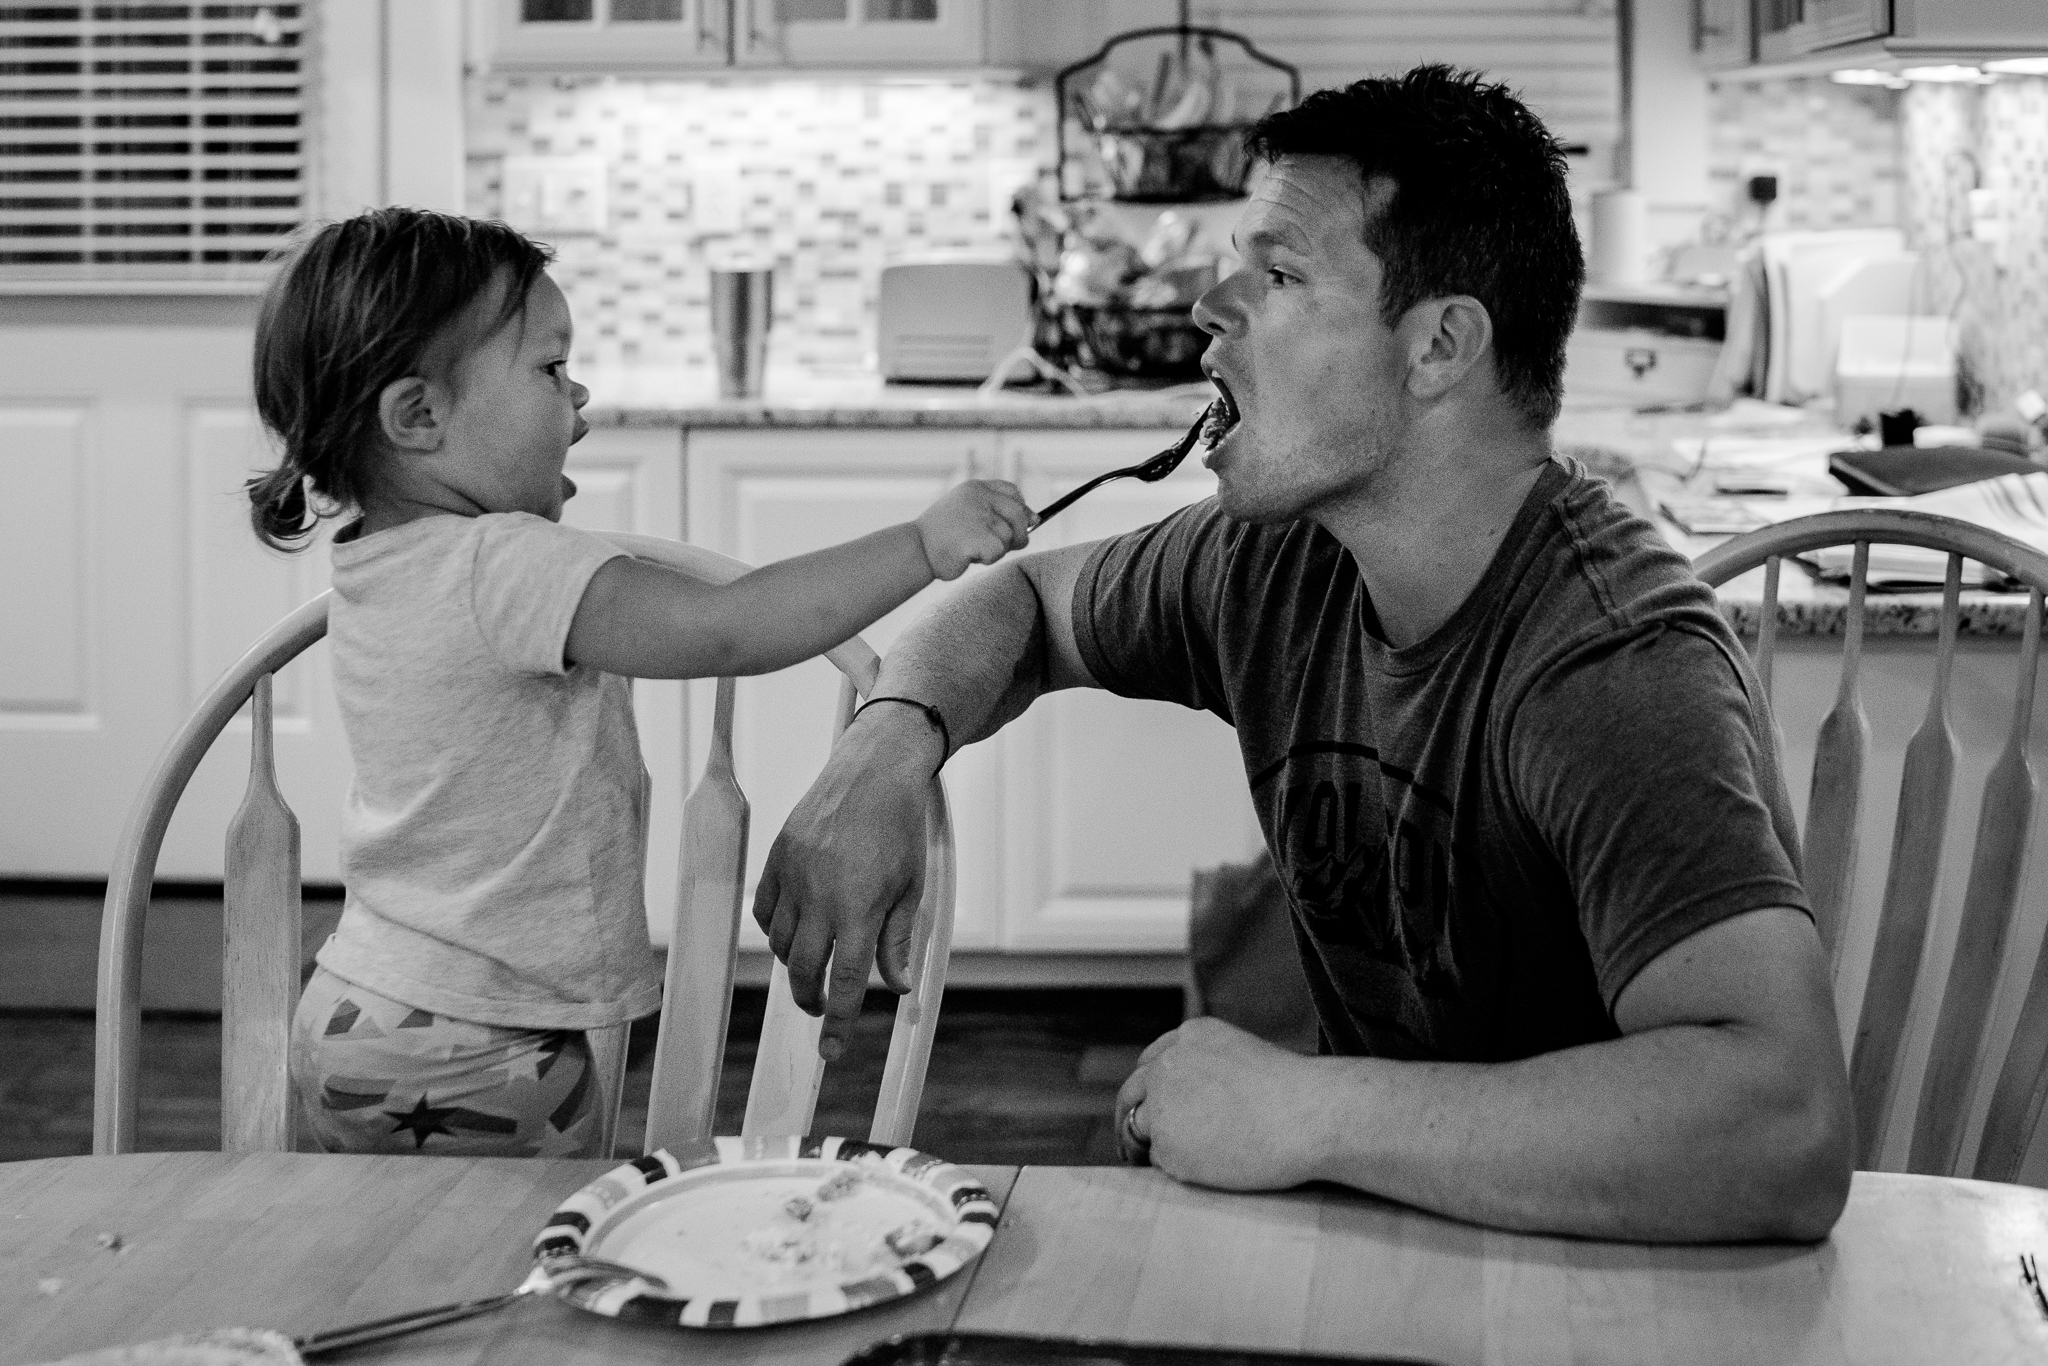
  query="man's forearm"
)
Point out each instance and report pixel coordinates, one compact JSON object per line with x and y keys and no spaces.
{"x":1682,"y":1133}
{"x":979,"y":656}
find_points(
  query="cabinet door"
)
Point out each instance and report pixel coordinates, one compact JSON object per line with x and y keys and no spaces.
{"x":1722,"y":37}
{"x":1111,"y":804}
{"x":766,"y":495}
{"x":602,"y":35}
{"x":857,"y":33}
{"x":631,"y":479}
{"x":1793,"y":28}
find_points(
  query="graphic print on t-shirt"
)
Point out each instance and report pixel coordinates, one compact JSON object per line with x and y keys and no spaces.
{"x":1364,"y":849}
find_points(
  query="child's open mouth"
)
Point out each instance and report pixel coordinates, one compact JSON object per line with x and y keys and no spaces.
{"x":1221,"y":417}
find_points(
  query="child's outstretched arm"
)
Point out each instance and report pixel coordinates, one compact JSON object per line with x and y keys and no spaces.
{"x":646,"y":621}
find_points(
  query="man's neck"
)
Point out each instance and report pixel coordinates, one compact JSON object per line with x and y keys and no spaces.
{"x":1431,"y":526}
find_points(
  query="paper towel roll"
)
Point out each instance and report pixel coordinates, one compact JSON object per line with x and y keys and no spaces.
{"x":1621,"y":249}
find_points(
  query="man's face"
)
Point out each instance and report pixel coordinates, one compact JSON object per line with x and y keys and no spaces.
{"x":1316,"y":378}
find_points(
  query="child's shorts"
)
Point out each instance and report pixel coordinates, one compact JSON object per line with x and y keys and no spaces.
{"x":375,"y":1075}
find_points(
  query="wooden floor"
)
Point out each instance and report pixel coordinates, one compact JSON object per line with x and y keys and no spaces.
{"x":1016,"y":1076}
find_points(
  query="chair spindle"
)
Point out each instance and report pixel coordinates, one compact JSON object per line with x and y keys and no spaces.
{"x":1910,"y":881}
{"x":1836,"y":797}
{"x":787,"y":1069}
{"x":2009,"y":796}
{"x":1767,"y":623}
{"x":683,"y":1104}
{"x":260,"y":981}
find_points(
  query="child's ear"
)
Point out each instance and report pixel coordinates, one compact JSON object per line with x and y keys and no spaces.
{"x":413,"y":413}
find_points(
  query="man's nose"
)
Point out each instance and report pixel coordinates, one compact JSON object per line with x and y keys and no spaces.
{"x":1210,"y":308}
{"x":578,"y":395}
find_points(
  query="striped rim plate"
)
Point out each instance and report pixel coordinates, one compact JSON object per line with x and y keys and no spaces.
{"x":593,"y":1220}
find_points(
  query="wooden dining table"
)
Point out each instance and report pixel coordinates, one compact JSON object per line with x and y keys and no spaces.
{"x":96,"y":1251}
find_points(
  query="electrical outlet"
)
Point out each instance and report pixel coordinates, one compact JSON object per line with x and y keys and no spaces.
{"x":557,"y":194}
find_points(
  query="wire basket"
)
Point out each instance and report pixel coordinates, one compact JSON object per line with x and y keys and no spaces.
{"x":1175,"y":165}
{"x":1137,"y":343}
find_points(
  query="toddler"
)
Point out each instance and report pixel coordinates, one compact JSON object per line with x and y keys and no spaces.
{"x":414,"y":368}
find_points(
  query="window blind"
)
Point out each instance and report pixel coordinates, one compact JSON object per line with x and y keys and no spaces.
{"x":142,"y":140}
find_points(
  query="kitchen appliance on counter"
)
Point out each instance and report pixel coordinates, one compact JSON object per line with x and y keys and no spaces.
{"x":950,"y":321}
{"x":1650,"y":345}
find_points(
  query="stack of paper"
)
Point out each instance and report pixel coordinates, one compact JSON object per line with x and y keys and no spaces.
{"x":2016,"y":504}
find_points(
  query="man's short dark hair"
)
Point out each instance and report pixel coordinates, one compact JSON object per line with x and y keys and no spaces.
{"x":1480,"y":207}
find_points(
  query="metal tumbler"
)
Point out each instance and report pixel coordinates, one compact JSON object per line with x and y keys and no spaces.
{"x":741,"y":304}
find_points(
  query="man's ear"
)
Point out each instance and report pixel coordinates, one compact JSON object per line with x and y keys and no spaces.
{"x":1447,"y":337}
{"x":413,"y":413}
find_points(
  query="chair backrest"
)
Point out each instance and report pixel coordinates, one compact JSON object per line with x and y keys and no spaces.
{"x":260,"y":983}
{"x":1962,"y":1052}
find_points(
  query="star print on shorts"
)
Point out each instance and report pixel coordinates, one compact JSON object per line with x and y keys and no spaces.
{"x":375,"y":1075}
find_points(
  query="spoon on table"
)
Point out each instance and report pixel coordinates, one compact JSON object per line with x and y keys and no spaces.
{"x":549,"y":1275}
{"x":1148,"y":471}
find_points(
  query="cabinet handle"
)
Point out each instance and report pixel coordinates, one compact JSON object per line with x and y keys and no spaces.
{"x":757,"y":40}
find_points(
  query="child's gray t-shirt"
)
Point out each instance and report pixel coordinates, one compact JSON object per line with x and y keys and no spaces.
{"x":495,"y":834}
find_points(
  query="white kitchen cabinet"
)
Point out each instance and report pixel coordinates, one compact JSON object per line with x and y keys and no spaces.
{"x":129,"y":579}
{"x":1110,"y":804}
{"x":602,"y":35}
{"x":631,"y":479}
{"x":1721,"y":32}
{"x":1794,"y":28}
{"x":857,"y":33}
{"x":1079,"y":825}
{"x":764,"y":495}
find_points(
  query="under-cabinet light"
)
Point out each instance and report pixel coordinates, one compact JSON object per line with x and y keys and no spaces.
{"x":1891,"y":80}
{"x":1947,"y":75}
{"x":2019,"y":66}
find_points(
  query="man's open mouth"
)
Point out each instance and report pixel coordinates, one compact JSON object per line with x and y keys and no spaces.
{"x":1221,"y":417}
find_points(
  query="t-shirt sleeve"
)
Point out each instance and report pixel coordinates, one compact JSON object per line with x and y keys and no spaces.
{"x":1649,"y":774}
{"x":527,"y":579}
{"x":1145,"y":606}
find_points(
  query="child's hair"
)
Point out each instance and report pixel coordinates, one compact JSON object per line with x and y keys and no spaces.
{"x":353,"y":308}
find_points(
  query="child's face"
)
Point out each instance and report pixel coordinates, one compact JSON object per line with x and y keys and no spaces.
{"x":515,"y":411}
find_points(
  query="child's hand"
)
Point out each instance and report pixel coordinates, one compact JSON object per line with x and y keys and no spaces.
{"x":977,"y":523}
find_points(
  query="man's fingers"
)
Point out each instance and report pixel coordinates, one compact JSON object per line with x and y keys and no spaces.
{"x":892,"y":951}
{"x":810,"y":949}
{"x":849,"y":991}
{"x":1157,"y":1046}
{"x":765,"y":895}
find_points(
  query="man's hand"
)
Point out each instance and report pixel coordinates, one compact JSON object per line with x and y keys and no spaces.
{"x":847,"y":871}
{"x":1220,"y":1107}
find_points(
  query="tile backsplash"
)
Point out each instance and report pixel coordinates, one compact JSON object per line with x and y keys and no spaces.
{"x":827,"y":179}
{"x":1834,"y":149}
{"x":1857,"y":156}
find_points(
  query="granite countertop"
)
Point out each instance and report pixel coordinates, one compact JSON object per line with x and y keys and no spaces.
{"x":1633,"y":450}
{"x":653,"y":398}
{"x":1636,"y":453}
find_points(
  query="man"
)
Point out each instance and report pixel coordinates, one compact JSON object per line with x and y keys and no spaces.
{"x":1513,"y":768}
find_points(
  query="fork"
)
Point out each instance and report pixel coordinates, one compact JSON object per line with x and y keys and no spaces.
{"x":554,"y":1272}
{"x":1148,"y":471}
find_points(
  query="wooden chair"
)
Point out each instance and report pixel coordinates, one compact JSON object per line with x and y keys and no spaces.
{"x":1962,"y":1053}
{"x":260,"y":985}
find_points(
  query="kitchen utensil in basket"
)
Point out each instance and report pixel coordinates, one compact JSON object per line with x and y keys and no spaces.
{"x":1148,"y":343}
{"x":1168,"y":164}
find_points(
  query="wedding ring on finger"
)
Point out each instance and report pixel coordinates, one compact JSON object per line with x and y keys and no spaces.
{"x":1134,"y":1146}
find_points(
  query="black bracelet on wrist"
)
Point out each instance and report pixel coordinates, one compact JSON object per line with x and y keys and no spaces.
{"x":931,"y":714}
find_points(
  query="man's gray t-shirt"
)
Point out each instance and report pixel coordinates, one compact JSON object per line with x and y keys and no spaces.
{"x":1486,"y":834}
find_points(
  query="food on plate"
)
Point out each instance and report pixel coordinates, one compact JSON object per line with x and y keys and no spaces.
{"x":831,"y":1232}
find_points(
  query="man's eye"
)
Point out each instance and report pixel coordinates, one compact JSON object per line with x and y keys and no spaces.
{"x":1277,"y":277}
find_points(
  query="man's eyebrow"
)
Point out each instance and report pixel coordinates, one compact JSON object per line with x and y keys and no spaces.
{"x":1271,"y":237}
